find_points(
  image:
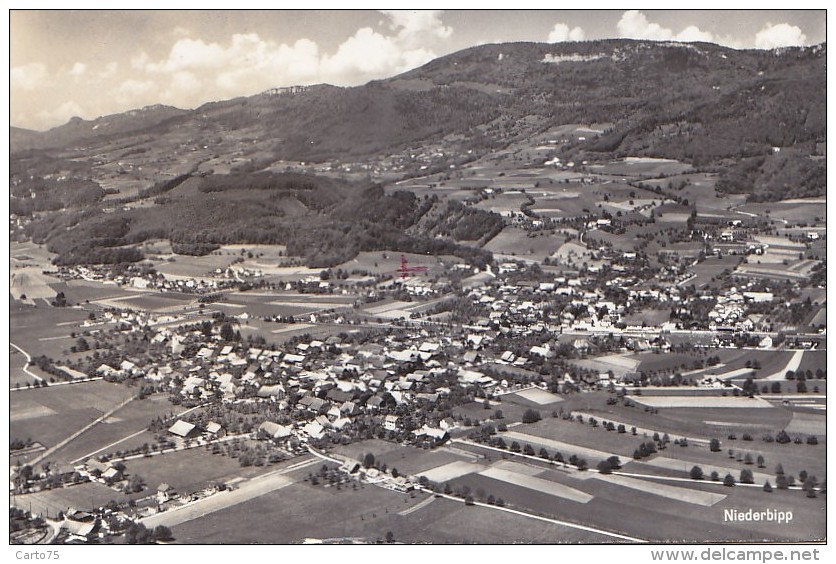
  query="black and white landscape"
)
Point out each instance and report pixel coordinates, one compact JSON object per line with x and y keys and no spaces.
{"x":564,"y":291}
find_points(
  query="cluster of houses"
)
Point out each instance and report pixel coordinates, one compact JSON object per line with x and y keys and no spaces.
{"x":730,"y":311}
{"x":143,"y":279}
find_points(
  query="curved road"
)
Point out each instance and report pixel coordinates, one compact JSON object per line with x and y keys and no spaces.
{"x":28,"y":361}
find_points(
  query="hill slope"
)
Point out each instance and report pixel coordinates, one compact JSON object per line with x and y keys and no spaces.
{"x":755,"y":117}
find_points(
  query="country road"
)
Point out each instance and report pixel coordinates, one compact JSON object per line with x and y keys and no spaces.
{"x":244,"y":491}
{"x":28,"y":361}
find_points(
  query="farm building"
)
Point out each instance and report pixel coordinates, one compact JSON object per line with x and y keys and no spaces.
{"x":274,"y":430}
{"x":182,"y":429}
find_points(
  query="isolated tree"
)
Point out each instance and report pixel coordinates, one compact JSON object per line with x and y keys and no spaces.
{"x":161,"y":532}
{"x":714,"y":446}
{"x":531,"y":416}
{"x":767,"y":487}
{"x":728,"y":480}
{"x":715,"y":476}
{"x":746,"y":476}
{"x":227,"y":333}
{"x":696,"y":473}
{"x":368,"y":460}
{"x":761,"y":461}
{"x":809,"y":486}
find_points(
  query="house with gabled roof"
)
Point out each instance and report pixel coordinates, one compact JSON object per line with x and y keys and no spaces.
{"x":182,"y":429}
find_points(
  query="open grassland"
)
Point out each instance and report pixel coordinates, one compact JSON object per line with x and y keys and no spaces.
{"x":301,"y":511}
{"x":620,"y":364}
{"x":687,"y":495}
{"x":151,"y":301}
{"x":190,"y":470}
{"x":678,"y":521}
{"x":707,"y":271}
{"x":450,"y":471}
{"x":65,"y":409}
{"x":406,"y":459}
{"x":540,"y":485}
{"x":40,"y":330}
{"x":81,"y":291}
{"x":512,"y":409}
{"x":389,"y":262}
{"x":185,"y":266}
{"x":708,"y":462}
{"x":125,"y":429}
{"x":538,"y":396}
{"x":682,"y":422}
{"x":17,"y":377}
{"x":243,"y":491}
{"x":30,"y":282}
{"x":573,"y":433}
{"x":553,"y":446}
{"x":661,"y":402}
{"x":519,"y":243}
{"x":808,"y":211}
{"x":808,"y":423}
{"x":641,"y":167}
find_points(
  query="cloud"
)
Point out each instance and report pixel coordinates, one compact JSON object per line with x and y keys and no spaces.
{"x":693,"y":33}
{"x":109,"y":70}
{"x":561,"y":32}
{"x":194,"y":70}
{"x":635,"y":25}
{"x":78,"y":69}
{"x":779,"y":35}
{"x":135,"y":92}
{"x":248,"y":63}
{"x":411,"y":25}
{"x":27,"y":77}
{"x":61,"y":114}
{"x":368,"y":54}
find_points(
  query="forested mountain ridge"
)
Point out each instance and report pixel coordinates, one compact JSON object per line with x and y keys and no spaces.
{"x":697,"y":102}
{"x":208,"y":176}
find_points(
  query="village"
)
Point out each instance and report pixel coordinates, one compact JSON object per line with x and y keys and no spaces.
{"x":395,"y":372}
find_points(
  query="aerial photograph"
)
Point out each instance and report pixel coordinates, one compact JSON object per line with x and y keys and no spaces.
{"x":417,"y":277}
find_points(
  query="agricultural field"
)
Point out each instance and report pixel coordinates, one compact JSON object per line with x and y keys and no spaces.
{"x":170,"y":302}
{"x":176,"y":267}
{"x":641,"y":167}
{"x":17,"y":377}
{"x":49,"y":415}
{"x":389,"y":263}
{"x":514,"y":242}
{"x":707,"y":271}
{"x":190,"y":470}
{"x":803,"y":211}
{"x":619,"y":364}
{"x":124,"y":430}
{"x":407,"y":459}
{"x":571,"y":433}
{"x":368,"y":513}
{"x":86,"y":495}
{"x":43,"y":330}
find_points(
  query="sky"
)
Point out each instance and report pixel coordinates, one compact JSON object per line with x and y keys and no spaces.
{"x":90,"y":63}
